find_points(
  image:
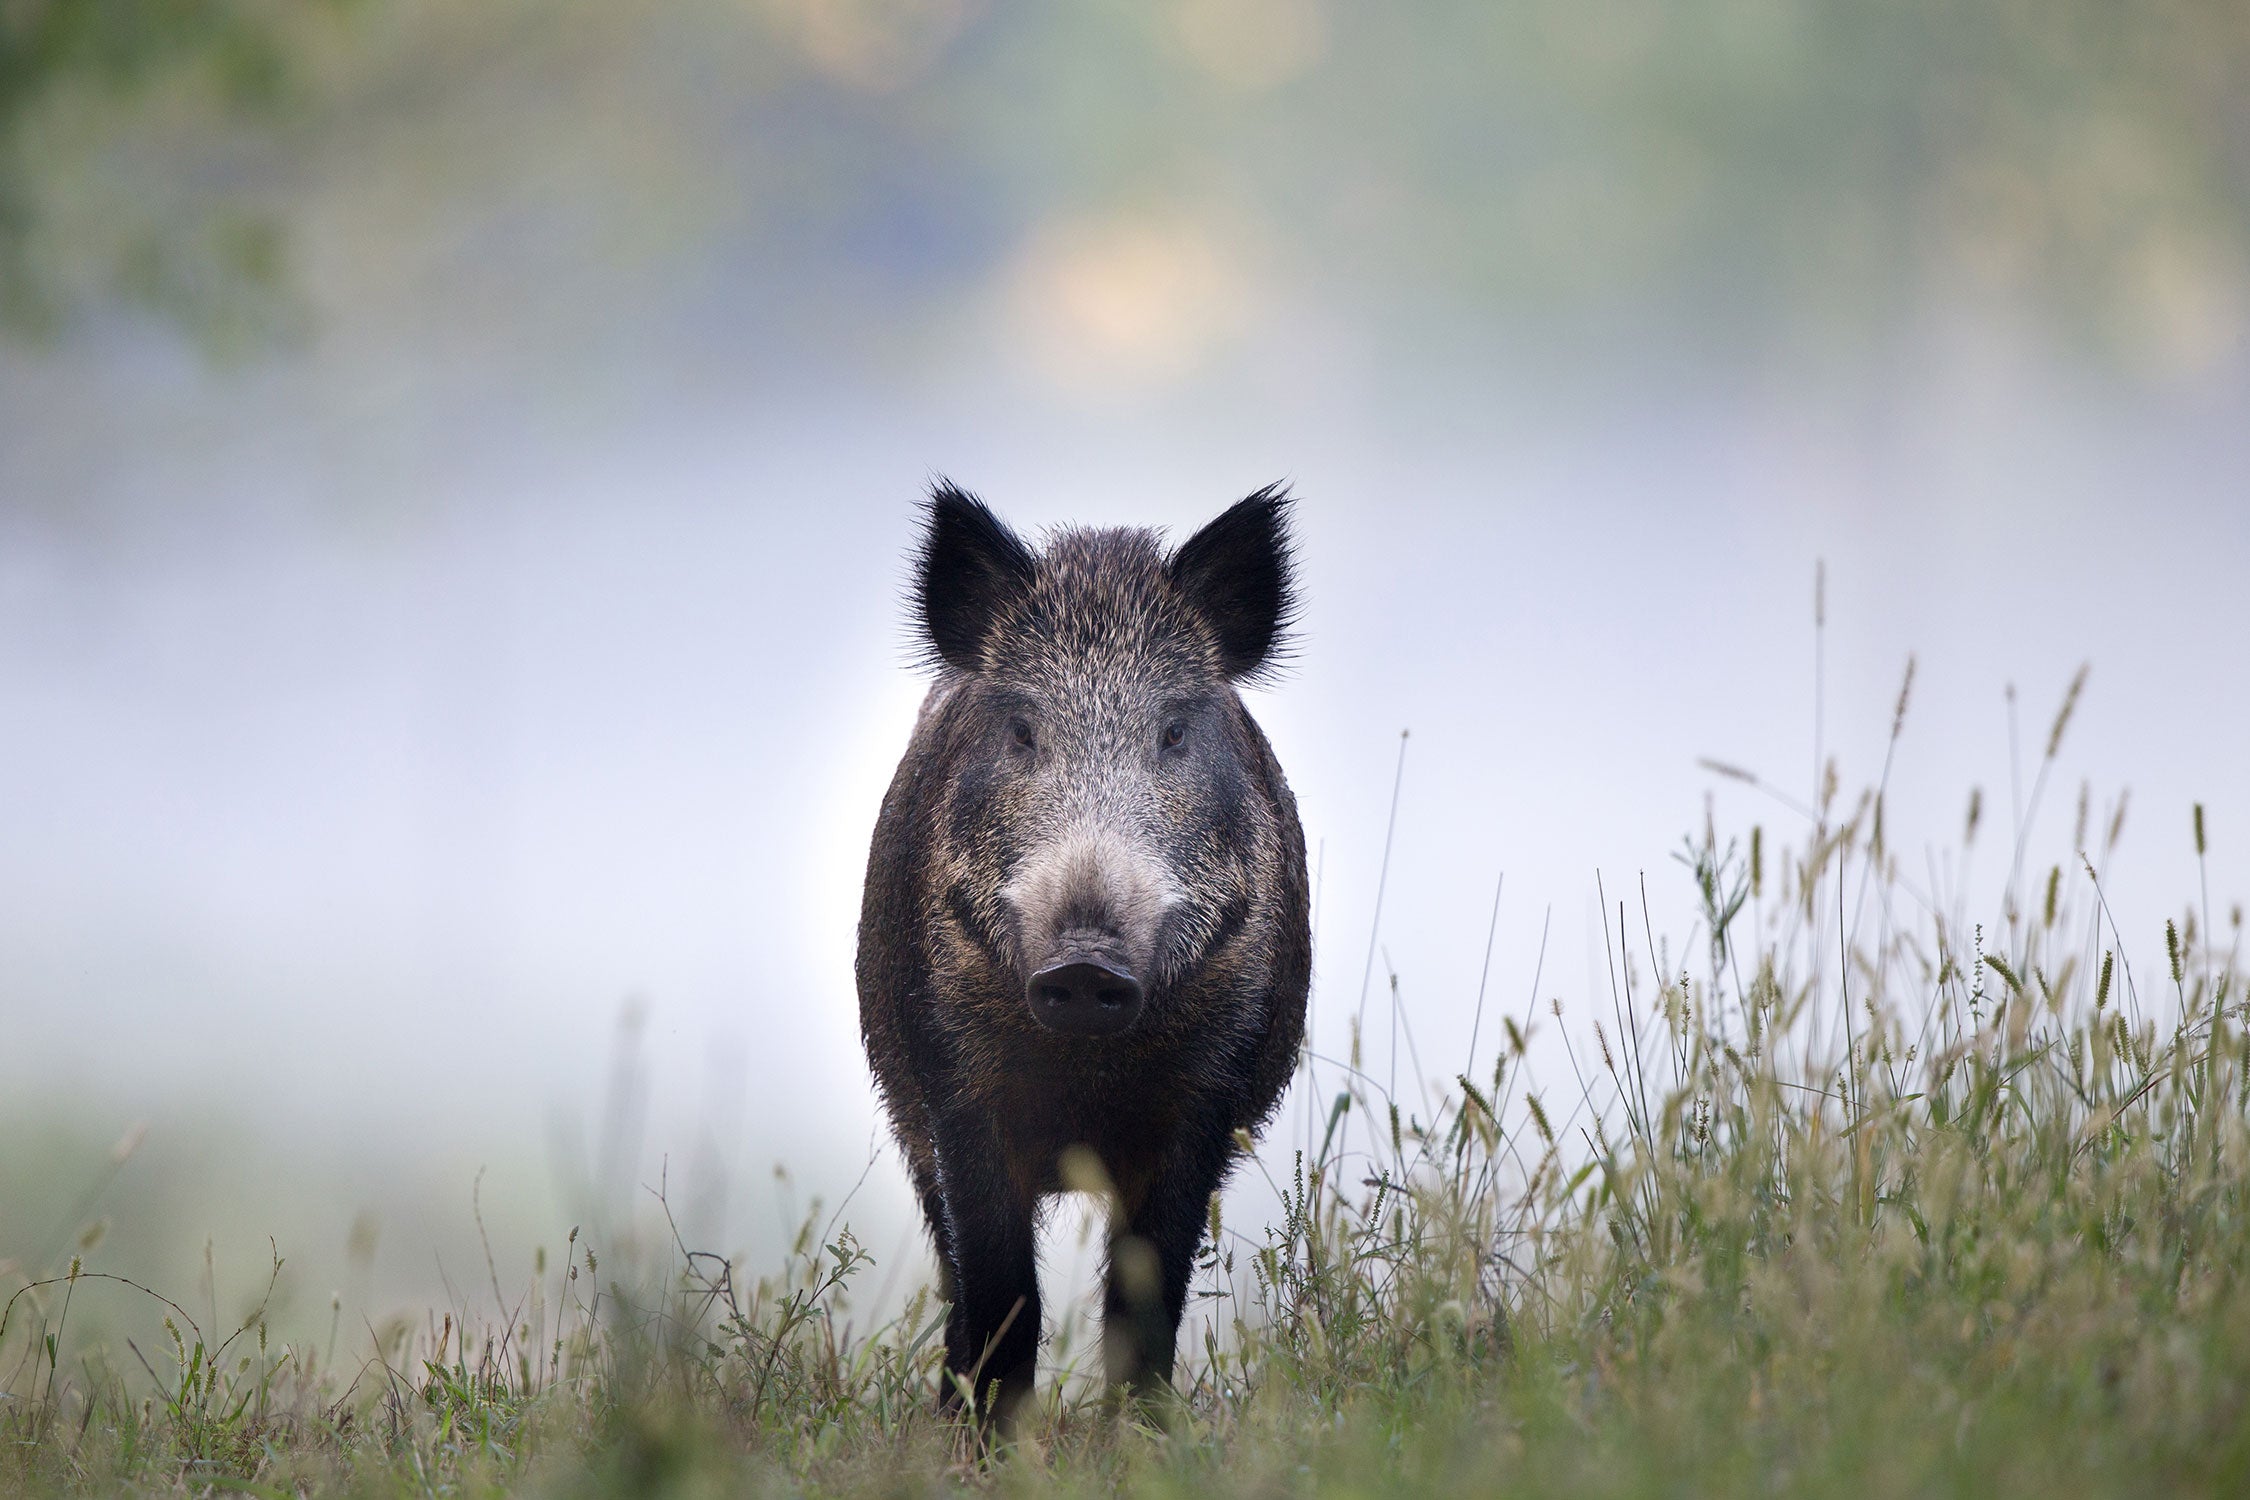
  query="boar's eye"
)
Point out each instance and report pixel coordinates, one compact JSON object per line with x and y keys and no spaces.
{"x":1020,"y":735}
{"x":1175,"y":734}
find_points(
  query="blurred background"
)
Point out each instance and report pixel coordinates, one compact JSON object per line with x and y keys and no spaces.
{"x":457,"y":465}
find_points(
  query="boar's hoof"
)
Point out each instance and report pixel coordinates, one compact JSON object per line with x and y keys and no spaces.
{"x":1085,"y":999}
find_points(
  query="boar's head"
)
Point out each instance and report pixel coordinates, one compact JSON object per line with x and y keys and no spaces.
{"x":1104,"y":836}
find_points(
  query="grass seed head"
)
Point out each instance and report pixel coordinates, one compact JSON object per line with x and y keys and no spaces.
{"x":2069,"y":706}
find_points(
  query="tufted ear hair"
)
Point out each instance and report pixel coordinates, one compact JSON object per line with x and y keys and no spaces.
{"x":971,"y":568}
{"x":1237,"y":573}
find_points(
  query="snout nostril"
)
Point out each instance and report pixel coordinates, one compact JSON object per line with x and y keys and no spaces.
{"x":1085,"y":997}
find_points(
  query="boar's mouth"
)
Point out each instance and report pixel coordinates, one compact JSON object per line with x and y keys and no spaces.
{"x":1086,"y":987}
{"x":972,"y":925}
{"x":1188,"y":941}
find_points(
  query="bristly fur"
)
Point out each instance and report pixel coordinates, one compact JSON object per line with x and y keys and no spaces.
{"x":1237,"y":573}
{"x":1240,"y":572}
{"x":970,"y":568}
{"x":1084,"y":784}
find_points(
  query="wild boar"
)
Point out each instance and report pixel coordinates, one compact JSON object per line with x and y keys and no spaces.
{"x":1085,"y":924}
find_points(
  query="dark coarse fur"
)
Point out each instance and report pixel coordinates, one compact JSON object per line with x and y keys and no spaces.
{"x":1084,"y":783}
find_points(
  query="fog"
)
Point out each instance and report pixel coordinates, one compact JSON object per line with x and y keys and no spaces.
{"x":518,"y":644}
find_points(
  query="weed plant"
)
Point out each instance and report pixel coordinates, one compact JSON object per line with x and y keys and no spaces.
{"x":1852,"y":1194}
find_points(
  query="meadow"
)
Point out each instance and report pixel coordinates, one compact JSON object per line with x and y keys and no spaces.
{"x":1850,"y":1190}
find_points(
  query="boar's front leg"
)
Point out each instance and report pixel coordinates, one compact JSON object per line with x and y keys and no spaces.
{"x":992,"y":1331}
{"x":1152,"y":1258}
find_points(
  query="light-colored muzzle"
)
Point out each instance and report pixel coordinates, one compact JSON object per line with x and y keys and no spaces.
{"x":1088,"y":908}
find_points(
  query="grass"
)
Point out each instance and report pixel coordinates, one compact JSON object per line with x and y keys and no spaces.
{"x":1850,"y":1195}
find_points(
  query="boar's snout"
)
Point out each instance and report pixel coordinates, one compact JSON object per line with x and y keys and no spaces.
{"x":1089,"y":906}
{"x":1085,"y":989}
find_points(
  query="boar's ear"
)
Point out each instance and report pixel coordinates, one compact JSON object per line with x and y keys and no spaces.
{"x":1236,"y":571}
{"x":970,"y":569}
